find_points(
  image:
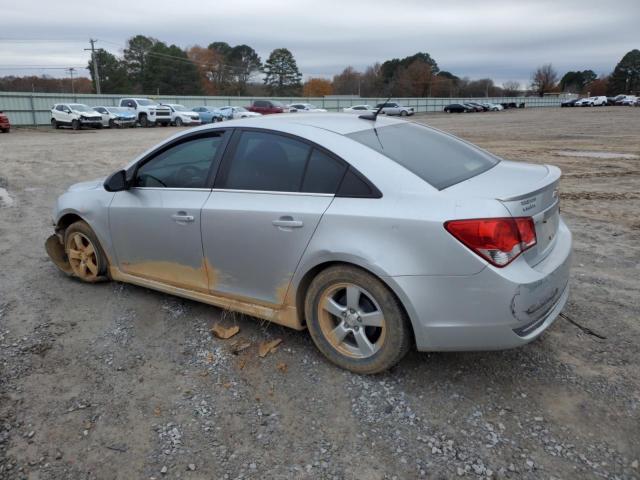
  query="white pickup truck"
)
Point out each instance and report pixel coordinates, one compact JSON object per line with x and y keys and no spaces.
{"x":148,"y":112}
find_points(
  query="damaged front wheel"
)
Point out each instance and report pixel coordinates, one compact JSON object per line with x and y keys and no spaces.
{"x":86,"y":258}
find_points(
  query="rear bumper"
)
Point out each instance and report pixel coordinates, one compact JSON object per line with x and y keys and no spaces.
{"x":492,"y":310}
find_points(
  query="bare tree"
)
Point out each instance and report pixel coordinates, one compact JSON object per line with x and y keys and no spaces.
{"x":544,"y":79}
{"x":511,"y":88}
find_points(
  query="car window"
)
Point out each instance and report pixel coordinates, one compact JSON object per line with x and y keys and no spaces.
{"x":323,"y":173}
{"x":439,"y":159}
{"x":60,"y":108}
{"x":185,"y":165}
{"x":259,"y":103}
{"x":266,"y":161}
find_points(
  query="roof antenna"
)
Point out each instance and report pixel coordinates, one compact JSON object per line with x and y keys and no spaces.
{"x":374,"y":116}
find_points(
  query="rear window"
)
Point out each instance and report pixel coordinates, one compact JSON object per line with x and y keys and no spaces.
{"x":439,"y":159}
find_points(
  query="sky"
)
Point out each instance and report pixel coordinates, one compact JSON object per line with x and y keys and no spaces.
{"x":500,"y":39}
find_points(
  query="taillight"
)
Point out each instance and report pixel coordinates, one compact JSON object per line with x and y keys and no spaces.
{"x":497,"y":240}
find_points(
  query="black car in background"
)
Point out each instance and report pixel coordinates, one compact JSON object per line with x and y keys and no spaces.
{"x":569,"y":103}
{"x":457,"y":108}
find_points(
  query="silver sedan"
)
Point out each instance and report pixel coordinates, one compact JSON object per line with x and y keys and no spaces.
{"x":376,"y":235}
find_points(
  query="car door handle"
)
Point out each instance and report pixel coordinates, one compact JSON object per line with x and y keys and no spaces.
{"x":182,"y":217}
{"x":287,"y":222}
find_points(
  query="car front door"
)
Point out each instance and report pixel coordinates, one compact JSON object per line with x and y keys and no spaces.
{"x":266,"y":203}
{"x":155,"y":225}
{"x":63,"y":114}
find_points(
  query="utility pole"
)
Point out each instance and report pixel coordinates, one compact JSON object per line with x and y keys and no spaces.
{"x":71,"y":70}
{"x":94,"y":60}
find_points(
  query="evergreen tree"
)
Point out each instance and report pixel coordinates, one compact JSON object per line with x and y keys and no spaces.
{"x":626,"y":76}
{"x":282,"y":76}
{"x":112,"y":73}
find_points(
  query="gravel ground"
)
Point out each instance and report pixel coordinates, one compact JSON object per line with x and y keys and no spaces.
{"x":114,"y":381}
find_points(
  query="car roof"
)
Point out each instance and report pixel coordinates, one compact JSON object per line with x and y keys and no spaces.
{"x":334,"y":122}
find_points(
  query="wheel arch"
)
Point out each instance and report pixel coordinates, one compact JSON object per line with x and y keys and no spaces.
{"x":302,"y":287}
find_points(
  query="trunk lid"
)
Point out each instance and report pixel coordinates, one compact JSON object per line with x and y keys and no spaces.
{"x":525,"y":190}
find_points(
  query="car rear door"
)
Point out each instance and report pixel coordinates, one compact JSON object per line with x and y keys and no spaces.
{"x":155,"y":225}
{"x":269,"y":196}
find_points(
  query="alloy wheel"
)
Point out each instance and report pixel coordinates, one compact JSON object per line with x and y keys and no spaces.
{"x":82,"y":257}
{"x":351,"y":320}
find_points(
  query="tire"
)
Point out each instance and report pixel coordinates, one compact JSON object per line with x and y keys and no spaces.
{"x":403,"y":113}
{"x":75,"y":124}
{"x":86,"y":257}
{"x":54,"y":123}
{"x":367,"y":346}
{"x":112,"y":124}
{"x":143,"y":120}
{"x":178,"y":122}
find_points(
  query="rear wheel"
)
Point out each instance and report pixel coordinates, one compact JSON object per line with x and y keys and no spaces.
{"x":356,"y":321}
{"x":54,"y":124}
{"x":86,"y":258}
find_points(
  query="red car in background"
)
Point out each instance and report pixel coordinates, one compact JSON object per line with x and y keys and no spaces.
{"x":5,"y":126}
{"x":266,"y":107}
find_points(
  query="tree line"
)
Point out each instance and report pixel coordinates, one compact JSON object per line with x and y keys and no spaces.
{"x":625,"y":79}
{"x":149,"y":66}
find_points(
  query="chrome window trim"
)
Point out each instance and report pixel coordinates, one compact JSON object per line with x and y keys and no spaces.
{"x":173,"y":189}
{"x":273,"y":192}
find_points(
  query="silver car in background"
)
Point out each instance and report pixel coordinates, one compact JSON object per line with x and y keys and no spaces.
{"x":375,"y":235}
{"x":116,"y":117}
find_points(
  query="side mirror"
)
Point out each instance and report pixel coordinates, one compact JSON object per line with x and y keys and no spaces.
{"x":116,"y":182}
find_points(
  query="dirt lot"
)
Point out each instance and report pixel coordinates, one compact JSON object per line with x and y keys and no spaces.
{"x":114,"y":381}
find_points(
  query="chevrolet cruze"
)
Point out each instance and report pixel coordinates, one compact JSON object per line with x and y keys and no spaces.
{"x":376,"y":235}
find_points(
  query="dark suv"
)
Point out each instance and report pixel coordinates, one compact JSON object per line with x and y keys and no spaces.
{"x":266,"y":107}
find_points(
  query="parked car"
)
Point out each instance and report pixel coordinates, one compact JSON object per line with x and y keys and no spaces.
{"x":5,"y":125}
{"x":181,"y":115}
{"x":231,"y":113}
{"x":266,"y":107}
{"x":374,"y":235}
{"x":474,"y":108}
{"x":75,"y":115}
{"x":305,"y":107}
{"x":584,"y":102}
{"x":569,"y":103}
{"x":493,"y":107}
{"x":479,"y":106}
{"x":393,"y":108}
{"x":599,"y":101}
{"x":359,"y":109}
{"x":148,"y":112}
{"x":627,"y":100}
{"x":458,"y":108}
{"x":208,"y":114}
{"x":116,"y":117}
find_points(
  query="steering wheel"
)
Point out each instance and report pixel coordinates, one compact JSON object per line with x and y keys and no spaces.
{"x":186,"y":175}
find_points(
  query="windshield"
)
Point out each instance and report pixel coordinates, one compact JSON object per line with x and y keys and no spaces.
{"x":439,"y":159}
{"x":241,"y":109}
{"x":276,"y":104}
{"x":311,"y":107}
{"x":80,"y":107}
{"x":146,"y":102}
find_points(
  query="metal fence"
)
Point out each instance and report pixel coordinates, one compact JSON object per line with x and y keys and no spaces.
{"x":34,"y":108}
